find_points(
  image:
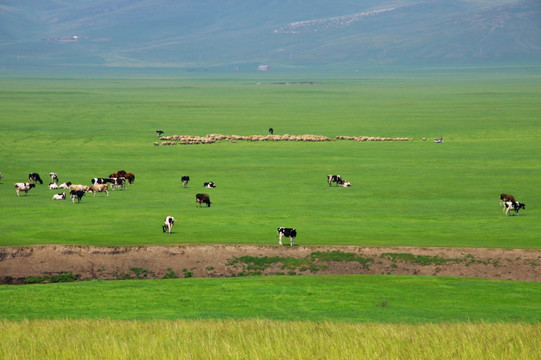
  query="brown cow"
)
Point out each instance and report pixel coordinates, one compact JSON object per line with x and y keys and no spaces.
{"x":202,"y":199}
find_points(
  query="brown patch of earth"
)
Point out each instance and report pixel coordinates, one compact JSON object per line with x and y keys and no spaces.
{"x":156,"y":262}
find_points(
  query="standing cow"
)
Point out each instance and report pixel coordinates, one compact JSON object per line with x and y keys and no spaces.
{"x":185,"y":180}
{"x":287,"y":232}
{"x":202,"y":199}
{"x":33,"y":177}
{"x":334,"y":178}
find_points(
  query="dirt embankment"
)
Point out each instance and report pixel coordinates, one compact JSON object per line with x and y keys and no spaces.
{"x":17,"y":265}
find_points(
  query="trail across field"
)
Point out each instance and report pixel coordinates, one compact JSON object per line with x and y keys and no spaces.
{"x":156,"y":262}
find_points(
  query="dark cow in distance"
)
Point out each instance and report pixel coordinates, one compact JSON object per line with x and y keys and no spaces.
{"x":76,"y":194}
{"x":185,"y":180}
{"x":287,"y":232}
{"x":33,"y":177}
{"x":505,"y":198}
{"x":334,"y":178}
{"x":209,"y":184}
{"x":202,"y":199}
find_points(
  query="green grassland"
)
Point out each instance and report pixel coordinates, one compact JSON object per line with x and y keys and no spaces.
{"x":355,"y":298}
{"x":404,"y":193}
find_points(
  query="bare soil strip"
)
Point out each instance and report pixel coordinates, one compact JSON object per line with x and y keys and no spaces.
{"x":17,"y":265}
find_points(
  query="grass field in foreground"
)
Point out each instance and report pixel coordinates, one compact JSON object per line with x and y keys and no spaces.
{"x":261,"y":339}
{"x":384,"y":299}
{"x":404,"y":193}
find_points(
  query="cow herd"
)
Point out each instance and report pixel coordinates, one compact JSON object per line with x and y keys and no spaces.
{"x":77,"y":191}
{"x":119,"y":179}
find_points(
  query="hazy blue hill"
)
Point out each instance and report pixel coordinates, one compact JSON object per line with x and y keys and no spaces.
{"x":211,"y":33}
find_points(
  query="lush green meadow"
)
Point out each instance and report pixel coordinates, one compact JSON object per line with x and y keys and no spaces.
{"x":356,"y":298}
{"x":404,"y":193}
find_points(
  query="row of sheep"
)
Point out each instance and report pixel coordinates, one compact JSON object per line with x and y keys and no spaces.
{"x":212,"y":138}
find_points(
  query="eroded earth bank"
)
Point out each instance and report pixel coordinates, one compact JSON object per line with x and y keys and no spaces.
{"x":69,"y":263}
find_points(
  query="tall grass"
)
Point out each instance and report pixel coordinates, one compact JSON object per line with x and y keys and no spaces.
{"x":264,"y":339}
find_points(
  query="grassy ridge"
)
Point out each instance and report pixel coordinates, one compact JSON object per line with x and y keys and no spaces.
{"x":262,"y":339}
{"x":415,"y":193}
{"x":384,"y":299}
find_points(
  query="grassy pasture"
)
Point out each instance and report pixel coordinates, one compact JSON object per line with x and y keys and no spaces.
{"x":357,"y":298}
{"x":404,"y":193}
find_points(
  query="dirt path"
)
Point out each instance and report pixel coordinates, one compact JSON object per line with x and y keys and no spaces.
{"x":90,"y":262}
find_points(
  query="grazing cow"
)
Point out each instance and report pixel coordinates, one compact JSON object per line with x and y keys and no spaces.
{"x":79,"y":187}
{"x":345,"y":184}
{"x":209,"y":184}
{"x":287,"y":232}
{"x":118,"y":183}
{"x":334,"y":178}
{"x":33,"y":177}
{"x":23,"y":187}
{"x":130,"y":177}
{"x":54,"y":177}
{"x":53,"y":186}
{"x":185,"y":180}
{"x":159,"y":132}
{"x":202,"y":199}
{"x":101,"y":181}
{"x":96,"y":188}
{"x":505,"y":198}
{"x":65,"y":185}
{"x":61,"y":196}
{"x":76,"y":194}
{"x":514,"y":205}
{"x":168,"y":224}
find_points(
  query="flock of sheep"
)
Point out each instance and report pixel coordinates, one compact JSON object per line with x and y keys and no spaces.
{"x":212,"y":138}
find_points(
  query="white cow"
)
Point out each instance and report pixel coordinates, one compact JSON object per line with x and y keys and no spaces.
{"x":168,"y":224}
{"x":61,"y":196}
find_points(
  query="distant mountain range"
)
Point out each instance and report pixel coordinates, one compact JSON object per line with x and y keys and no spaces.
{"x":239,"y":34}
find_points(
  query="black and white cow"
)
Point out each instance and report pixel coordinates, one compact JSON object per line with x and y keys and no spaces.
{"x":209,"y":184}
{"x":202,"y":199}
{"x":101,"y":181}
{"x":513,"y":205}
{"x":61,"y":196}
{"x":23,"y":187}
{"x":185,"y":180}
{"x":33,"y":177}
{"x":54,"y":177}
{"x":76,"y":194}
{"x":287,"y":232}
{"x":334,"y":178}
{"x":118,"y":183}
{"x":65,"y":185}
{"x":168,"y":224}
